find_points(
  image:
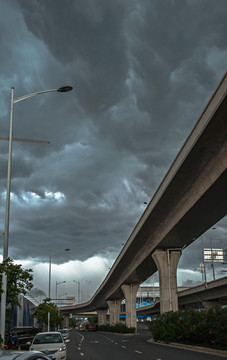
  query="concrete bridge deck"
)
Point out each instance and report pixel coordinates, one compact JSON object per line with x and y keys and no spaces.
{"x":190,"y":199}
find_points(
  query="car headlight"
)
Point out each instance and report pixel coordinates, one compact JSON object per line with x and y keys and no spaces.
{"x":62,"y":348}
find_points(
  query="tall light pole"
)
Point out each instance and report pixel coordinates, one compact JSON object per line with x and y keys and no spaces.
{"x":7,"y":211}
{"x":57,"y":283}
{"x":78,"y":292}
{"x":50,"y":259}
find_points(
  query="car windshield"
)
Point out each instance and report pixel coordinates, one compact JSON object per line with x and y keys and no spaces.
{"x":47,"y":339}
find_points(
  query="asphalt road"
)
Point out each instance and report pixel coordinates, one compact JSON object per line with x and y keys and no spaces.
{"x":108,"y":346}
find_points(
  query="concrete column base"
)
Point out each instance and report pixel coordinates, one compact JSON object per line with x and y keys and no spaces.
{"x":130,"y":292}
{"x":114,"y":307}
{"x":166,"y":262}
{"x":210,"y":304}
{"x":102,"y":317}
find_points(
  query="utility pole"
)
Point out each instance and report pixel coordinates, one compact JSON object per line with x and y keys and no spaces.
{"x":6,"y":231}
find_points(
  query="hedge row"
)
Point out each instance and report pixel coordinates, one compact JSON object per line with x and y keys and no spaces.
{"x":118,"y":328}
{"x":202,"y":328}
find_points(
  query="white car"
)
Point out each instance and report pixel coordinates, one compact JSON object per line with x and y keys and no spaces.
{"x":51,"y":344}
{"x":65,"y":333}
{"x":22,"y":355}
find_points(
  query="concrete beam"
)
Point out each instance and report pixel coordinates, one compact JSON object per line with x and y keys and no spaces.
{"x":130,"y":292}
{"x":114,"y":308}
{"x":166,"y":262}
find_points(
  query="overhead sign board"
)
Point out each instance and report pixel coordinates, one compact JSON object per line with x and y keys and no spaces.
{"x":214,"y":255}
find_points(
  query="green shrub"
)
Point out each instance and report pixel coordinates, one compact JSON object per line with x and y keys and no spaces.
{"x":204,"y":328}
{"x":118,"y":328}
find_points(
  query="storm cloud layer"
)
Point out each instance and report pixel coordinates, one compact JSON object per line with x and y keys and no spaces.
{"x":142,"y":72}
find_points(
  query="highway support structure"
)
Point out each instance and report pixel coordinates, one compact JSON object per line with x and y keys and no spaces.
{"x":130,"y":292}
{"x":166,"y":262}
{"x":65,"y":322}
{"x":114,"y":308}
{"x":102,"y":316}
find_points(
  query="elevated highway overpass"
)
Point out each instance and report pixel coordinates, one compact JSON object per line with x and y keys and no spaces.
{"x":208,"y":294}
{"x":212,"y":293}
{"x":190,"y":199}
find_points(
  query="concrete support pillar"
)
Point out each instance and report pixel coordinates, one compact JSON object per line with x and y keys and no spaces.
{"x":102,"y":317}
{"x":66,"y":321}
{"x":130,"y":292}
{"x":166,"y":262}
{"x":114,"y":307}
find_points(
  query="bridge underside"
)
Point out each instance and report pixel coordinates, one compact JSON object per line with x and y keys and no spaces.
{"x":190,"y":199}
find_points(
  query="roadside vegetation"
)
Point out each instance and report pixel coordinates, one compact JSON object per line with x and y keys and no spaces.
{"x":19,"y":281}
{"x":41,"y":311}
{"x":118,"y":328}
{"x":207,"y":328}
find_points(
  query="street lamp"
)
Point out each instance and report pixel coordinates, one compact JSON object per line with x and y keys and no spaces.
{"x":50,"y":258}
{"x":7,"y":211}
{"x":63,"y":295}
{"x":78,"y":291}
{"x":57,"y":283}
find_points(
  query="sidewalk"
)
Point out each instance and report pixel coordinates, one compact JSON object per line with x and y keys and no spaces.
{"x":193,"y":348}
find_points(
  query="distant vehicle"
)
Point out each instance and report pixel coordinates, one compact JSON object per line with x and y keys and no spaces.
{"x":65,"y":333}
{"x":23,"y":355}
{"x":82,"y":328}
{"x":51,"y":344}
{"x":91,"y":327}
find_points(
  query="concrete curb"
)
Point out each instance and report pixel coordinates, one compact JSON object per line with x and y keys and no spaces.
{"x":192,"y":348}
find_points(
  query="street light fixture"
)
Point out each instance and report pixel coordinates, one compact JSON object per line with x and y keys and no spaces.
{"x":50,"y":258}
{"x":64,"y":89}
{"x":78,"y":291}
{"x":57,"y":283}
{"x":7,"y":211}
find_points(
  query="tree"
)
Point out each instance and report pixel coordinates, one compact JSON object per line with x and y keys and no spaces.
{"x":41,"y":311}
{"x":18,"y":282}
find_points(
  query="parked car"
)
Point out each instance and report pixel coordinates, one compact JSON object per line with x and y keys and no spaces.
{"x":23,"y":355}
{"x":19,"y":337}
{"x":65,"y":333}
{"x":51,"y":344}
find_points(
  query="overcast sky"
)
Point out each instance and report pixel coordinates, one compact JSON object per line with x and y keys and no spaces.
{"x":142,"y":72}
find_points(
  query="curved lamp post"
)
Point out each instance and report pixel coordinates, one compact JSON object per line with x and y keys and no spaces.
{"x":50,"y":262}
{"x":78,"y":290}
{"x":57,"y":283}
{"x":7,"y":211}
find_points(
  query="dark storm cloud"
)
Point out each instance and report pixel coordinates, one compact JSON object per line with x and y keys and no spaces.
{"x":142,"y":73}
{"x":86,"y":37}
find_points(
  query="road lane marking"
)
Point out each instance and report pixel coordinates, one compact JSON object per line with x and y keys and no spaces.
{"x":124,"y":347}
{"x":82,"y":354}
{"x":138,"y":352}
